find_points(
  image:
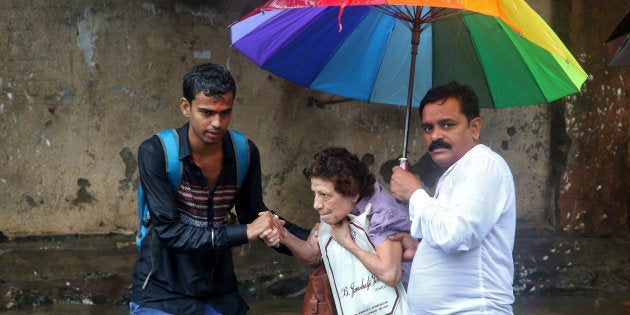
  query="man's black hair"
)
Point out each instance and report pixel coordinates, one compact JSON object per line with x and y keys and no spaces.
{"x":209,"y":78}
{"x":463,"y":93}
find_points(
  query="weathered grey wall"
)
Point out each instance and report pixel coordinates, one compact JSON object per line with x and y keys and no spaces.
{"x":84,"y":82}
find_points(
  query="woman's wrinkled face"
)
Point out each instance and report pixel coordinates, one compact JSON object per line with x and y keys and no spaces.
{"x":331,"y":205}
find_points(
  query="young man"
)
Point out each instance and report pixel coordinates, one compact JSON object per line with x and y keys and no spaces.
{"x":185,"y":264}
{"x":464,"y":263}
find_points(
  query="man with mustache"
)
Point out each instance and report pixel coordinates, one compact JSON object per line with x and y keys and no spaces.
{"x":185,"y":264}
{"x":463,"y":264}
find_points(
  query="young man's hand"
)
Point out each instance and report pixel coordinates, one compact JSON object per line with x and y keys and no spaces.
{"x":266,"y":221}
{"x":272,"y":237}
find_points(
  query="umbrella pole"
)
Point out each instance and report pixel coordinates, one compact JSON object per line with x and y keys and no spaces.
{"x":415,"y":40}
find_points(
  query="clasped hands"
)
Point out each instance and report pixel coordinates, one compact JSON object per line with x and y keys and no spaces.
{"x":266,"y":223}
{"x":273,"y":235}
{"x":305,"y":251}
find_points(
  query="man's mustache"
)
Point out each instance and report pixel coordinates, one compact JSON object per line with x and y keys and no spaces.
{"x":437,"y":144}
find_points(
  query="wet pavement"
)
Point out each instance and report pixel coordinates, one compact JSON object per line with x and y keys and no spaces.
{"x":91,"y":275}
{"x":65,"y":269}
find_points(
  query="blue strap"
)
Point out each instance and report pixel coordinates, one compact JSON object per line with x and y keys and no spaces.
{"x":241,"y":150}
{"x":170,"y":144}
{"x":170,"y":141}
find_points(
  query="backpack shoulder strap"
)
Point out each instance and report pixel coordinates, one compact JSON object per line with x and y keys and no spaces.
{"x":170,"y":146}
{"x":241,"y":151}
{"x":170,"y":143}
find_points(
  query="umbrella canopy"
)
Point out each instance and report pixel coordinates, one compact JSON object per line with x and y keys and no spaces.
{"x":618,"y":44}
{"x":392,"y":52}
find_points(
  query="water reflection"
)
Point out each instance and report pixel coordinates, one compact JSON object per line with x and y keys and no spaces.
{"x":597,"y":303}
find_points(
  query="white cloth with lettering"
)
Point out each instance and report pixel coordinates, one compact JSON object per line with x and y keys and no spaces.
{"x":355,"y":289}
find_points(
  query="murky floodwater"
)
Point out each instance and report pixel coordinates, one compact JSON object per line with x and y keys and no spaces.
{"x":597,"y":304}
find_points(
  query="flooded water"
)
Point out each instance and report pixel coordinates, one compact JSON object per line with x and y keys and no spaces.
{"x":107,"y":263}
{"x":597,"y":304}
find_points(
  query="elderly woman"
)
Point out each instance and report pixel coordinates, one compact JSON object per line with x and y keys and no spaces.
{"x":343,"y":185}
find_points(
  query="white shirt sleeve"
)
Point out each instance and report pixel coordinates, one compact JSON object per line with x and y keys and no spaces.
{"x":418,"y":200}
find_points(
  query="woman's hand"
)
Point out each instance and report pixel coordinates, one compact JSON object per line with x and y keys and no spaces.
{"x":340,"y":232}
{"x":385,"y":264}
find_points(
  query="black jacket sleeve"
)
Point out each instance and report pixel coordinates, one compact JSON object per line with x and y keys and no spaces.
{"x":249,"y":200}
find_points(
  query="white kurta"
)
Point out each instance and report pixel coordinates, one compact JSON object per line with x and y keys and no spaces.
{"x":464,"y":263}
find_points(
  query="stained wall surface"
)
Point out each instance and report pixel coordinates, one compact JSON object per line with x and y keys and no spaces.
{"x":84,"y":82}
{"x":594,"y":189}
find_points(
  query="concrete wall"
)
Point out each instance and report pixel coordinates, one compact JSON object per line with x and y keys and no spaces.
{"x":84,"y":82}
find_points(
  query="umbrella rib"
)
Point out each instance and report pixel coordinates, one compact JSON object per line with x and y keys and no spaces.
{"x":411,"y":13}
{"x":395,"y":11}
{"x":440,"y":14}
{"x":407,"y":14}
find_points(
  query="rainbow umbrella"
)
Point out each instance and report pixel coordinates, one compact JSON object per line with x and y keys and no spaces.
{"x":392,"y":52}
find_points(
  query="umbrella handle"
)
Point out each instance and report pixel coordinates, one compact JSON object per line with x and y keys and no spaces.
{"x":403,"y":163}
